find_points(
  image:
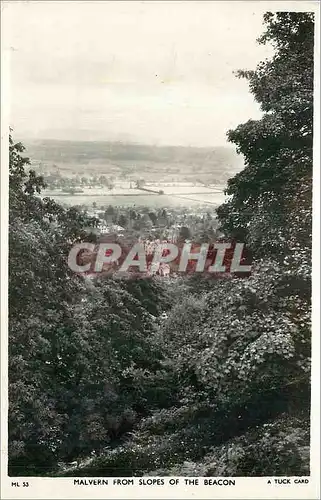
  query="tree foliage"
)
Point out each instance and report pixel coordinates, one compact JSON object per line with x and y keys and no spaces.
{"x":271,"y":197}
{"x":70,"y":343}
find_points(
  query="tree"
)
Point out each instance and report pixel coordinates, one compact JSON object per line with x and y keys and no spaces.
{"x":153,"y":217}
{"x":122,"y":220}
{"x":42,"y":291}
{"x":74,"y":348}
{"x":109,"y":213}
{"x":272,"y":194}
{"x":184,"y":233}
{"x":140,"y":183}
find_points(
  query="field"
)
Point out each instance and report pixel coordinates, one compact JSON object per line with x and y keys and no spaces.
{"x":151,"y":200}
{"x":186,"y":176}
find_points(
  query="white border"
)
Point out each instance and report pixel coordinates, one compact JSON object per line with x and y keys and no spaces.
{"x":251,"y":488}
{"x":5,"y":110}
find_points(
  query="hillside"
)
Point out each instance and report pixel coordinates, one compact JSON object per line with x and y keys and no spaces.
{"x":128,"y":160}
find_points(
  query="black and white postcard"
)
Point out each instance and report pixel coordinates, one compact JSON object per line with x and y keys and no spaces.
{"x":160,"y":248}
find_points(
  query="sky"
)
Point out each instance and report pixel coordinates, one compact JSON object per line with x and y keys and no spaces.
{"x":149,"y":72}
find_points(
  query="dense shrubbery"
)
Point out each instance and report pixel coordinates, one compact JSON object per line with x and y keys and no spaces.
{"x":188,"y":377}
{"x":233,"y":361}
{"x":73,"y":347}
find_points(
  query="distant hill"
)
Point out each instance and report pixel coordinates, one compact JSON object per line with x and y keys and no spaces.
{"x":129,"y":158}
{"x":53,"y":150}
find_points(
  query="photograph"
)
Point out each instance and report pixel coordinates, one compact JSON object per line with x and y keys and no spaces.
{"x":158,"y":296}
